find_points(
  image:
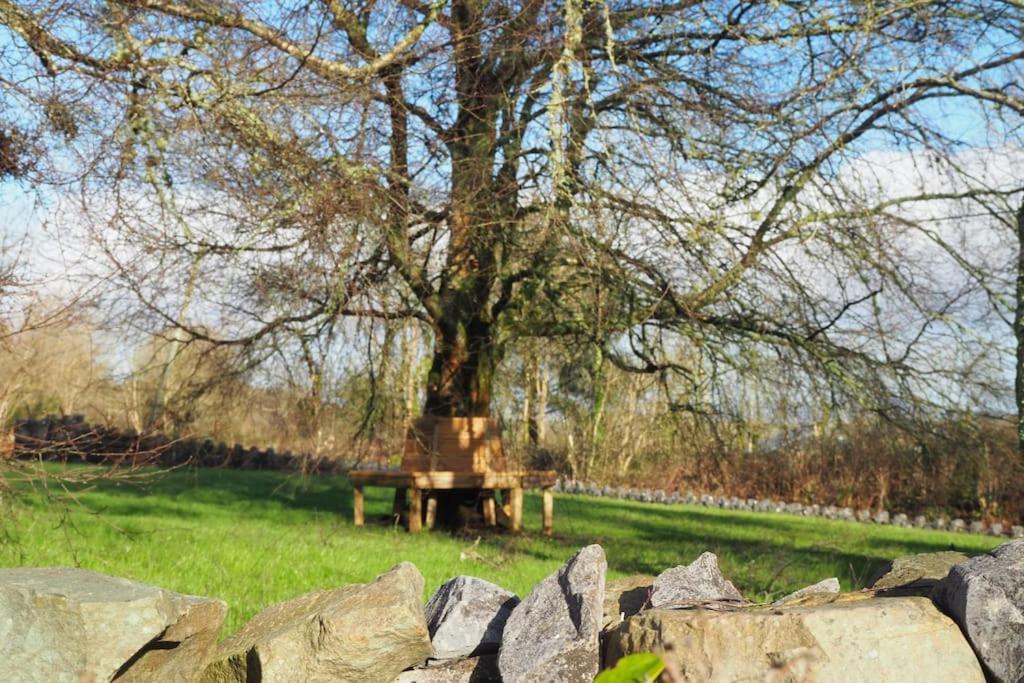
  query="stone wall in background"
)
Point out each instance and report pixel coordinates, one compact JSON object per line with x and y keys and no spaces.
{"x":71,"y":439}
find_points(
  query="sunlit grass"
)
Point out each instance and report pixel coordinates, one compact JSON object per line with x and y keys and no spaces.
{"x":255,"y":538}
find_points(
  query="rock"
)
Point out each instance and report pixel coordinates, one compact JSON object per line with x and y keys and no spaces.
{"x":483,"y":669}
{"x":553,"y":634}
{"x":850,"y":637}
{"x":625,"y":596}
{"x":916,"y":574}
{"x":976,"y":527}
{"x":700,"y":581}
{"x":182,"y":651}
{"x":62,"y":624}
{"x":956,"y":524}
{"x":996,"y":529}
{"x":985,"y":595}
{"x":826,"y":587}
{"x":1017,"y":531}
{"x":363,"y":632}
{"x":466,"y":616}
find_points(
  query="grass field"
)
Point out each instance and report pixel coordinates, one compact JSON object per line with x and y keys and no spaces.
{"x":255,"y":538}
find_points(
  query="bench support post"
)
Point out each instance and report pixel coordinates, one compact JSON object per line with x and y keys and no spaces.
{"x":415,"y":510}
{"x":548,"y":511}
{"x":517,"y":508}
{"x":358,"y":516}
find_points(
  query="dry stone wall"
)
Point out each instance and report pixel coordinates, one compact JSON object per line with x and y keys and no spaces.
{"x":933,"y":617}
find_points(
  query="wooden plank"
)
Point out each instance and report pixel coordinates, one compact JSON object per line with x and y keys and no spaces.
{"x":415,"y":510}
{"x":448,"y":479}
{"x":548,"y":511}
{"x":517,"y":508}
{"x":358,"y":517}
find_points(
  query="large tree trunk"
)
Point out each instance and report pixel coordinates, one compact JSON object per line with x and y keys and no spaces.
{"x":1018,"y":331}
{"x":462,"y":370}
{"x":465,"y":341}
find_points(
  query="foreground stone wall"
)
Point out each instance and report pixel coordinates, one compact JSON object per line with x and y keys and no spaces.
{"x":934,"y":617}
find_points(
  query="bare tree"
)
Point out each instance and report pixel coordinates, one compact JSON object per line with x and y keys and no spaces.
{"x":636,"y":177}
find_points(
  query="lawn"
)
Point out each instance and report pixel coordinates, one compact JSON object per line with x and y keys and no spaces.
{"x":255,"y":538}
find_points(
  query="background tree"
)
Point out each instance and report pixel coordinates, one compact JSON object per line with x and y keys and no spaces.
{"x":635,"y":177}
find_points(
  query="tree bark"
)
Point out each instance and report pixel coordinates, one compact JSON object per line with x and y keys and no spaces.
{"x":1018,"y":332}
{"x":466,"y":345}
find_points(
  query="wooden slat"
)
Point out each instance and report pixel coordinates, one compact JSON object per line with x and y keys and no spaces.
{"x":453,"y":479}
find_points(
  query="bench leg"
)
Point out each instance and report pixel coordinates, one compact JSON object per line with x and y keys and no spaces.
{"x":415,"y":510}
{"x":548,"y":511}
{"x":358,"y":517}
{"x":490,"y":510}
{"x":431,"y":510}
{"x":398,"y":507}
{"x":517,"y":508}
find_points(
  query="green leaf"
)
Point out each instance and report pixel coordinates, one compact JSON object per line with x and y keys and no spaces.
{"x":638,"y":668}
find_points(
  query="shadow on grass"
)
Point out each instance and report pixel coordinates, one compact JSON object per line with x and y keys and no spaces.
{"x":190,"y":493}
{"x":764,"y":553}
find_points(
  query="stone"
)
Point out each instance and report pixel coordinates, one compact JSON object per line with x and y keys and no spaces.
{"x":482,"y":669}
{"x":64,"y":624}
{"x":850,"y":637}
{"x":920,"y":522}
{"x":554,"y":633}
{"x":916,"y":574}
{"x":863,"y":515}
{"x":881,"y":517}
{"x":700,"y":581}
{"x":976,"y":527}
{"x":985,"y":595}
{"x":362,"y":632}
{"x":956,"y":524}
{"x":1017,"y":531}
{"x":825,"y":587}
{"x":995,"y":529}
{"x":466,"y":616}
{"x":625,"y":597}
{"x":900,"y":519}
{"x":182,"y":651}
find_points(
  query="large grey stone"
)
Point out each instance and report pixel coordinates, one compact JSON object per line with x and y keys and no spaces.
{"x":482,"y":669}
{"x":625,"y":597}
{"x":851,"y":637}
{"x":699,"y":581}
{"x":63,"y":624}
{"x":553,"y":634}
{"x":363,"y":632}
{"x":466,"y":616}
{"x":826,"y":587}
{"x":916,"y":574}
{"x":985,"y":595}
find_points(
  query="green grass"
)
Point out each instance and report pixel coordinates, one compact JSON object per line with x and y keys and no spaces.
{"x":255,"y":538}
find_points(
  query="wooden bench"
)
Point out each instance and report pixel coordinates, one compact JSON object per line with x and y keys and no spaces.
{"x":425,"y":484}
